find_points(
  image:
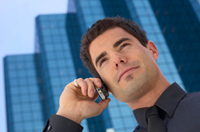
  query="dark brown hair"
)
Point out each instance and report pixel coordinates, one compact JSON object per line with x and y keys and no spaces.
{"x":99,"y":28}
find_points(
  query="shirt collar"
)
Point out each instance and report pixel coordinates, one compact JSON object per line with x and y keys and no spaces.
{"x":168,"y":102}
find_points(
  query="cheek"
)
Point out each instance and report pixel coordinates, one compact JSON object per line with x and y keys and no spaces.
{"x":105,"y":69}
{"x":142,"y":54}
{"x":106,"y":77}
{"x":104,"y":74}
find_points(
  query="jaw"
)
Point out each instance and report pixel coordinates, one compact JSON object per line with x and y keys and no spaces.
{"x":133,"y":87}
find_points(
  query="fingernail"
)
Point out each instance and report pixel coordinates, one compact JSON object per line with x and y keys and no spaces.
{"x":99,"y":83}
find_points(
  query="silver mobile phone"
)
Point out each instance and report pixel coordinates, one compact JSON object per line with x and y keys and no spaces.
{"x":103,"y":91}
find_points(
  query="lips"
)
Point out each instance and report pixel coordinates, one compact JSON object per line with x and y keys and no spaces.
{"x":125,"y":71}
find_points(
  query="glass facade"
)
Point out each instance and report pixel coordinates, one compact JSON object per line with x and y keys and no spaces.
{"x":196,"y":6}
{"x":181,"y":30}
{"x":41,"y":77}
{"x":23,"y":99}
{"x":55,"y":57}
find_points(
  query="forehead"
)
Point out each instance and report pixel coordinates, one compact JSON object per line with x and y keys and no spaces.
{"x":111,"y":35}
{"x":105,"y":41}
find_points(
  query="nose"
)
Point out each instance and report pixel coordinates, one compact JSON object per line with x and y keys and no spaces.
{"x":118,"y":60}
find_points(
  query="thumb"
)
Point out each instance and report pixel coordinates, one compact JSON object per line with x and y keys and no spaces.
{"x":104,"y":104}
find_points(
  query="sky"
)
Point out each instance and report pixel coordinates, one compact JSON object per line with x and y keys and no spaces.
{"x":17,"y":33}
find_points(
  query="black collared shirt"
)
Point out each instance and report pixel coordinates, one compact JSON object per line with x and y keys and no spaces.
{"x":180,"y":111}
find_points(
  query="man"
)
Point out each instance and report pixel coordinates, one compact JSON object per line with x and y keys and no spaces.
{"x":118,"y":51}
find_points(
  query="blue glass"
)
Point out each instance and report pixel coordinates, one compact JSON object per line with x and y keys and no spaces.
{"x":138,"y":3}
{"x":18,"y":127}
{"x":16,"y":108}
{"x":125,"y":111}
{"x":117,"y":123}
{"x":129,"y":122}
{"x":114,"y":112}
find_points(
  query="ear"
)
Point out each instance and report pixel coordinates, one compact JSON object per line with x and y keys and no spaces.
{"x":152,"y":49}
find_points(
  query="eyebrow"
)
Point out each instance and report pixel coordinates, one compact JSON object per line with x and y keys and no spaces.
{"x":119,"y":42}
{"x":116,"y":44}
{"x":99,"y":57}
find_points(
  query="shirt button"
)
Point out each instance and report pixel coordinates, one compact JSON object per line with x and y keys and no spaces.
{"x":49,"y":128}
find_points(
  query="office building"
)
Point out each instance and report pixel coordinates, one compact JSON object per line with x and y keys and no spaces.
{"x":180,"y":28}
{"x":23,"y":98}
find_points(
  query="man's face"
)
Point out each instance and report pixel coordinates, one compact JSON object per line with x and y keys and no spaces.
{"x":127,"y":68}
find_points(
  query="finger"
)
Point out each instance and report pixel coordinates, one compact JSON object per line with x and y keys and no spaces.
{"x":97,"y":82}
{"x":103,"y":104}
{"x":83,"y":85}
{"x":91,"y":89}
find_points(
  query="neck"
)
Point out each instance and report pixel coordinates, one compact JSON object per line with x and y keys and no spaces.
{"x":150,"y":98}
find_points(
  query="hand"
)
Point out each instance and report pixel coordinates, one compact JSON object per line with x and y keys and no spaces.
{"x":79,"y":103}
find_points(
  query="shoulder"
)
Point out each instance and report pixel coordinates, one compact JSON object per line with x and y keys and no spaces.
{"x":191,"y":98}
{"x":186,"y":116}
{"x":140,"y":129}
{"x":189,"y":103}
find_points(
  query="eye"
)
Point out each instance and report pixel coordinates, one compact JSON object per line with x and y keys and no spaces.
{"x":124,"y":45}
{"x":102,"y":61}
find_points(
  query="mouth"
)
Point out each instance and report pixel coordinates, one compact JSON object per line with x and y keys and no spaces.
{"x":125,"y":72}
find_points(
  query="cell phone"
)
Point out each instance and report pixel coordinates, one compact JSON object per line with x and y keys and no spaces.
{"x":103,"y":91}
